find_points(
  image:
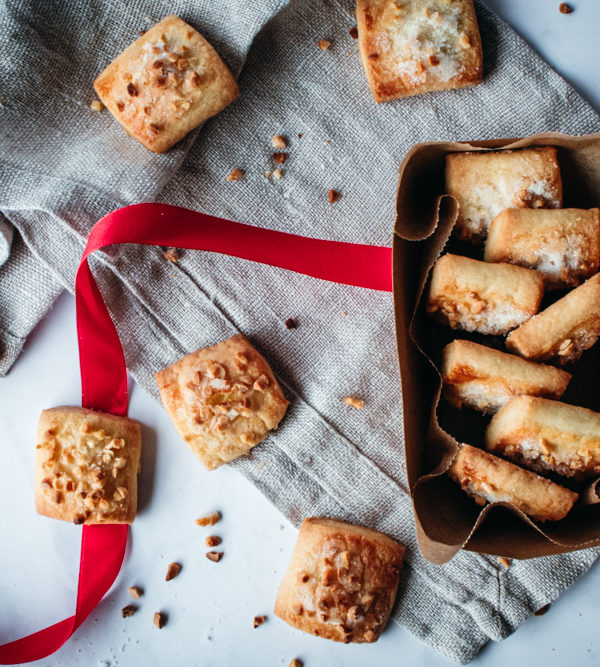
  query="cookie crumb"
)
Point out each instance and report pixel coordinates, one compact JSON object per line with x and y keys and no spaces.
{"x":505,"y":562}
{"x":159,"y":620}
{"x":278,"y":141}
{"x":215,"y":556}
{"x":213,"y":541}
{"x":326,"y":142}
{"x":96,"y":105}
{"x":565,"y":8}
{"x":128,"y":611}
{"x":296,"y":662}
{"x":279,"y":157}
{"x":324,"y":44}
{"x":172,"y":571}
{"x":353,"y":32}
{"x":209,"y":519}
{"x":135,"y":592}
{"x":354,"y":402}
{"x":333,"y":195}
{"x":277,"y":174}
{"x":291,"y":323}
{"x":542,"y":610}
{"x":259,"y":620}
{"x":236,"y":175}
{"x":172,"y":255}
{"x":267,"y":174}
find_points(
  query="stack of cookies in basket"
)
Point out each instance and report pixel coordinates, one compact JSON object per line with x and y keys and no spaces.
{"x":530,"y":249}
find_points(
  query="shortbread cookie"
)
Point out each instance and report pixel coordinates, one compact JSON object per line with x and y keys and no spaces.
{"x":165,"y":84}
{"x":562,"y":244}
{"x":564,"y":330}
{"x":484,"y":379}
{"x":489,"y":479}
{"x":86,"y":466}
{"x":478,"y":296}
{"x":486,"y":182}
{"x":417,"y":46}
{"x":547,"y":435}
{"x":341,"y":582}
{"x":223,"y":400}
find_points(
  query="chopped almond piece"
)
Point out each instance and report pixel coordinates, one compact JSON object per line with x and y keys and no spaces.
{"x":354,"y":402}
{"x":128,"y":611}
{"x":277,"y":174}
{"x":135,"y":592}
{"x":324,"y":44}
{"x":279,"y":157}
{"x":208,"y":519}
{"x":353,"y":32}
{"x":172,"y":571}
{"x":291,"y":323}
{"x":279,"y":141}
{"x":564,"y":8}
{"x":236,"y":175}
{"x":213,"y":541}
{"x":259,"y":620}
{"x":215,"y":556}
{"x":296,"y":663}
{"x":159,"y":620}
{"x":333,"y":196}
{"x":172,"y":255}
{"x":96,"y":105}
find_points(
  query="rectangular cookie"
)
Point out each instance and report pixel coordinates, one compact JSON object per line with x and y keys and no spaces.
{"x":417,"y":46}
{"x":547,"y":435}
{"x":467,"y":294}
{"x":486,"y":182}
{"x":165,"y":84}
{"x":341,"y":582}
{"x":562,"y":244}
{"x":564,"y":330}
{"x":484,"y":379}
{"x":490,"y":479}
{"x":223,"y":400}
{"x":86,"y":466}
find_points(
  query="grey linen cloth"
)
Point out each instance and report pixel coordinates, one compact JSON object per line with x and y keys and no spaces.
{"x":326,"y":458}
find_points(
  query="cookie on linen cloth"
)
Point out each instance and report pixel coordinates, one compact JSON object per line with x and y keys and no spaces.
{"x":223,"y":400}
{"x":417,"y":46}
{"x":341,"y":582}
{"x":165,"y":84}
{"x":490,"y":479}
{"x":86,"y":466}
{"x":486,"y":182}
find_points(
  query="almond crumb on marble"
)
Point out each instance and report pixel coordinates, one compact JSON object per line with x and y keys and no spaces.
{"x":128,"y":611}
{"x":172,"y":255}
{"x":353,"y":32}
{"x":172,"y":571}
{"x":135,"y":591}
{"x":215,"y":556}
{"x":324,"y":44}
{"x":96,"y":105}
{"x":159,"y":620}
{"x":505,"y":562}
{"x":565,"y":8}
{"x":236,"y":175}
{"x":333,"y":196}
{"x":208,"y":519}
{"x":213,"y":541}
{"x":259,"y":620}
{"x":277,"y":174}
{"x":354,"y":402}
{"x":296,"y":662}
{"x":279,"y":142}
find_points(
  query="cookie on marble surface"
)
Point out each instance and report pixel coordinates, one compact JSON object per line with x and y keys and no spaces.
{"x":86,"y":466}
{"x":418,"y":46}
{"x":165,"y":84}
{"x":223,"y":400}
{"x":341,"y":582}
{"x":486,"y":182}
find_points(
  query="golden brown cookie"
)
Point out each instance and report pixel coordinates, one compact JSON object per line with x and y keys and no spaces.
{"x":341,"y":582}
{"x":165,"y":84}
{"x":86,"y":466}
{"x":408,"y":48}
{"x":223,"y":400}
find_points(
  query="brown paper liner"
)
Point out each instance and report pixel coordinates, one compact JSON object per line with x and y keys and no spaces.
{"x":447,"y":519}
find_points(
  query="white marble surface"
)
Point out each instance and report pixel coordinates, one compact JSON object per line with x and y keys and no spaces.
{"x":211,"y":606}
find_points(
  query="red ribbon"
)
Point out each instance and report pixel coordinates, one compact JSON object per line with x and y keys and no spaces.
{"x":103,"y":370}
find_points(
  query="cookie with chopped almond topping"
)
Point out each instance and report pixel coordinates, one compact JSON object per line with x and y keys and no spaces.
{"x":341,"y":582}
{"x":223,"y":400}
{"x":165,"y":84}
{"x":86,"y":466}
